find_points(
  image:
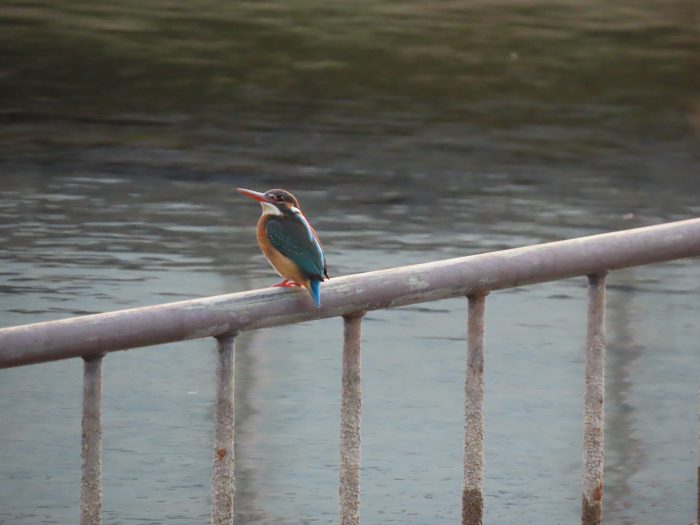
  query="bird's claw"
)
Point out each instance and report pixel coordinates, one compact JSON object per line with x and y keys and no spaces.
{"x":286,"y":284}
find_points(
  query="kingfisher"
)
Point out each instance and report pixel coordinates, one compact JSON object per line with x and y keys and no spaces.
{"x":289,"y":242}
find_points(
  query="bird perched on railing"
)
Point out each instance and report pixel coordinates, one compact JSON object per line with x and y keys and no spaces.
{"x":288,"y":241}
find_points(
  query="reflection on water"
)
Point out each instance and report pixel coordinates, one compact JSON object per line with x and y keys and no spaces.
{"x":626,"y":450}
{"x":410,"y":133}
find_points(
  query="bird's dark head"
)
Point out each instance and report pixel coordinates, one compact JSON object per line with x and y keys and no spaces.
{"x":282,"y":197}
{"x":273,"y":201}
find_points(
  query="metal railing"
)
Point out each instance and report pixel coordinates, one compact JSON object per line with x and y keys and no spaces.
{"x":223,"y":317}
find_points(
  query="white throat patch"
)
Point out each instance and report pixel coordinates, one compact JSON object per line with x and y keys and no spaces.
{"x":269,"y":209}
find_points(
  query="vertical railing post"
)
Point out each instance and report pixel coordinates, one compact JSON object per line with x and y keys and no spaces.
{"x":594,"y":404}
{"x":472,"y":487}
{"x":350,"y":413}
{"x":697,"y":507}
{"x":222,"y":485}
{"x":91,"y":443}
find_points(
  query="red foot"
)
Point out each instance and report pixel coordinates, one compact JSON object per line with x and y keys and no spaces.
{"x":286,"y":284}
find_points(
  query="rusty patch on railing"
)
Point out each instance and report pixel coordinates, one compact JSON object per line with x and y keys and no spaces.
{"x":598,"y":494}
{"x":591,"y":513}
{"x":221,"y":453}
{"x":472,"y":507}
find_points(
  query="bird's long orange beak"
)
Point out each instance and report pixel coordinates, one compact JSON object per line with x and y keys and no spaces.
{"x":255,"y":195}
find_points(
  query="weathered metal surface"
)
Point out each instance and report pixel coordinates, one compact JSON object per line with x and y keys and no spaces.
{"x":350,"y":412}
{"x":223,"y":475}
{"x":91,"y":445}
{"x":472,"y":486}
{"x":213,"y":316}
{"x":594,"y":404}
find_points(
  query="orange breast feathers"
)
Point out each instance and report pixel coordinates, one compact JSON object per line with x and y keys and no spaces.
{"x":283,"y":265}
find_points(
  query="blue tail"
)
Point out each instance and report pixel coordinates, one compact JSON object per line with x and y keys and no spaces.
{"x":315,"y":289}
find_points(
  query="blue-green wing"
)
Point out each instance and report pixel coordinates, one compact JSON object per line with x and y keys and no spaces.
{"x":293,"y":238}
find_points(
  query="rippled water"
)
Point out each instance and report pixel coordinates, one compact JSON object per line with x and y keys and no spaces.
{"x":410,"y":134}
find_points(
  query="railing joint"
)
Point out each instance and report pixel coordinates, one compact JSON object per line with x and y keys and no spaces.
{"x":89,"y":358}
{"x":477,"y":294}
{"x":359,"y":314}
{"x":594,"y":277}
{"x":226,"y":335}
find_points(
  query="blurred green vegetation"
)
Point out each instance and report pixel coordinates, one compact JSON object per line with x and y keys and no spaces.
{"x":201,"y":55}
{"x":368,"y":86}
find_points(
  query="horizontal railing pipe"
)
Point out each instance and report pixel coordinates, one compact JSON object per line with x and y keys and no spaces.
{"x":213,"y":316}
